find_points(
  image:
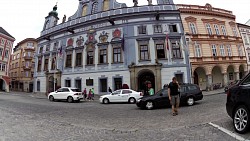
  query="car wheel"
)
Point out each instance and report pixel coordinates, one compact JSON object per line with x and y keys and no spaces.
{"x":131,"y":100}
{"x":70,"y":99}
{"x":51,"y":98}
{"x":105,"y":101}
{"x":190,"y":101}
{"x":149,"y":105}
{"x":241,"y":119}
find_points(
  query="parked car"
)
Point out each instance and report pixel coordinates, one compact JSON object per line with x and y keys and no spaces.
{"x":122,"y":95}
{"x":238,"y":104}
{"x":189,"y":93}
{"x":230,"y":84}
{"x":66,"y":93}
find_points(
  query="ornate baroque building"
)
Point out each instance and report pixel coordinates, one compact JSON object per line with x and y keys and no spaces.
{"x":6,"y":43}
{"x":22,"y":65}
{"x":245,"y":34}
{"x":107,"y":44}
{"x":217,"y":54}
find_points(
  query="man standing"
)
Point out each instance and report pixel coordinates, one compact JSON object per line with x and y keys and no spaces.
{"x":173,"y":94}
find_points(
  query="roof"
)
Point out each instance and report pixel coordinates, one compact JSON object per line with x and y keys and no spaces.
{"x":5,"y":32}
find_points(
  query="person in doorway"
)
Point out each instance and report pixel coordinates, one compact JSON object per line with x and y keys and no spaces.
{"x":151,"y":91}
{"x":173,"y":94}
{"x":110,"y":91}
{"x":92,"y":90}
{"x":85,"y":93}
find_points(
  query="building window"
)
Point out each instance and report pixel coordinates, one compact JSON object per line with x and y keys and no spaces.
{"x":16,"y":64}
{"x":192,"y":28}
{"x":224,"y":32}
{"x":27,"y":64}
{"x":1,"y":51}
{"x":69,"y":60}
{"x":229,"y":52}
{"x":90,"y":58}
{"x":41,"y":50}
{"x":197,"y":50}
{"x":157,"y":29}
{"x":214,"y":51}
{"x":142,"y":29}
{"x":89,"y":82}
{"x":6,"y":54}
{"x":103,"y":85}
{"x":173,"y":28}
{"x":78,"y":84}
{"x":235,"y":32}
{"x":46,"y":63}
{"x":53,"y":64}
{"x":160,"y":51}
{"x":217,"y":30}
{"x":103,"y":56}
{"x":231,"y":76}
{"x":39,"y":67}
{"x":118,"y":83}
{"x":67,"y":83}
{"x":94,"y":8}
{"x":245,"y":39}
{"x":179,"y":78}
{"x":3,"y":67}
{"x":240,"y":50}
{"x":222,"y":50}
{"x":176,"y":50}
{"x":38,"y":86}
{"x":30,"y":44}
{"x":27,"y":74}
{"x":105,"y":5}
{"x":18,"y":56}
{"x":79,"y":59}
{"x":47,"y":48}
{"x":209,"y":29}
{"x":144,"y":54}
{"x":117,"y":55}
{"x":84,"y":10}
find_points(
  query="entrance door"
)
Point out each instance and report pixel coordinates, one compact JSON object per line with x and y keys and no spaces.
{"x":196,"y":78}
{"x":51,"y":84}
{"x":31,"y":87}
{"x":146,"y":79}
{"x":2,"y":85}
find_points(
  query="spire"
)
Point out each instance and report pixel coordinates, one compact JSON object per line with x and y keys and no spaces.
{"x":54,"y":13}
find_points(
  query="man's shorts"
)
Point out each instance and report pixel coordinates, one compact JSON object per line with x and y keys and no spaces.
{"x":175,"y":99}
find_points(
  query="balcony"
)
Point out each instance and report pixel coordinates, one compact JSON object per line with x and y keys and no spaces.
{"x":29,"y":48}
{"x":28,"y":57}
{"x":225,"y":59}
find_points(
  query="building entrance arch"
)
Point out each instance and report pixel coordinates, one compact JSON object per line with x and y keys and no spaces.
{"x":51,"y":84}
{"x":200,"y":77}
{"x":146,"y":79}
{"x":2,"y":85}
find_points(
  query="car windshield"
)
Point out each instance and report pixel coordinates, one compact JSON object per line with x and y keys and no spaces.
{"x":75,"y":90}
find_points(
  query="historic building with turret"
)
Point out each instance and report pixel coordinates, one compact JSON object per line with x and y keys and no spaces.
{"x":108,"y":44}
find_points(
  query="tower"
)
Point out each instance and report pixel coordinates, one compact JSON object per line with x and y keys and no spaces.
{"x":52,"y":19}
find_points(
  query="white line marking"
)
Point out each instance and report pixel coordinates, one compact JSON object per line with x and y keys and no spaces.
{"x":230,"y":133}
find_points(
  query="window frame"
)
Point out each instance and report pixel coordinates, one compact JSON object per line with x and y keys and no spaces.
{"x":192,"y":27}
{"x":68,"y":63}
{"x":214,"y":50}
{"x":198,"y":52}
{"x":90,"y":58}
{"x":222,"y":50}
{"x":209,"y":29}
{"x":176,"y":49}
{"x":142,"y":30}
{"x":117,"y":56}
{"x":157,"y":28}
{"x":145,"y":52}
{"x":223,"y":29}
{"x":78,"y":59}
{"x":163,"y":46}
{"x":103,"y":56}
{"x":172,"y":29}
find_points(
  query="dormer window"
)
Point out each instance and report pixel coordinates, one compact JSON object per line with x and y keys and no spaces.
{"x":94,"y":8}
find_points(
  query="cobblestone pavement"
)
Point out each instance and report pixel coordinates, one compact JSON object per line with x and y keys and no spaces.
{"x":25,"y":118}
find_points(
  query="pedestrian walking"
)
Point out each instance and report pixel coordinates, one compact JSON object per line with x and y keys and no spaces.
{"x":85,"y":93}
{"x":93,"y":93}
{"x":90,"y":96}
{"x":110,"y":90}
{"x":174,"y":95}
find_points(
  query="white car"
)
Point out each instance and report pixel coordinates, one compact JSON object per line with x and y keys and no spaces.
{"x":123,"y":95}
{"x":66,"y":93}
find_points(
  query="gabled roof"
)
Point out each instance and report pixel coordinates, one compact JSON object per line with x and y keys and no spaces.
{"x":5,"y":32}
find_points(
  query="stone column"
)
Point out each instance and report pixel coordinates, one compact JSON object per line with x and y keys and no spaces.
{"x":225,"y":79}
{"x":237,"y":74}
{"x":158,"y":85}
{"x":209,"y":82}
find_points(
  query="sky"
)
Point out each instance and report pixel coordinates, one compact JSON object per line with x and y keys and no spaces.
{"x":25,"y":18}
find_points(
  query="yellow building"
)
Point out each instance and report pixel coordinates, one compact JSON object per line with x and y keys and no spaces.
{"x":22,"y":65}
{"x":216,"y":51}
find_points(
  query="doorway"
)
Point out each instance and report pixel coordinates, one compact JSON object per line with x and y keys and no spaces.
{"x":145,"y":79}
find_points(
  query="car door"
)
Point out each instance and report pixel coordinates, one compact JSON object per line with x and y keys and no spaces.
{"x":57,"y":93}
{"x":163,"y":98}
{"x":183,"y":93}
{"x":65,"y":93}
{"x":244,"y":91}
{"x":115,"y":96}
{"x":125,"y":95}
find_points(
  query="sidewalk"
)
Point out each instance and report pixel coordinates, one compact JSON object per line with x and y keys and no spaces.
{"x":218,"y":91}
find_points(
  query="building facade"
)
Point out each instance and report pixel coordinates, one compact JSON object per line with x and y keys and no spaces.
{"x":217,"y":54}
{"x":245,"y":34}
{"x":6,"y":43}
{"x":22,"y":65}
{"x":107,"y":44}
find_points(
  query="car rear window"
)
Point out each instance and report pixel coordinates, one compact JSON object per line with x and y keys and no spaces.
{"x":75,"y":90}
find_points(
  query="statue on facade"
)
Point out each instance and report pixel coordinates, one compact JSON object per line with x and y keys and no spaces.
{"x":64,"y":19}
{"x":135,"y":2}
{"x":149,"y":2}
